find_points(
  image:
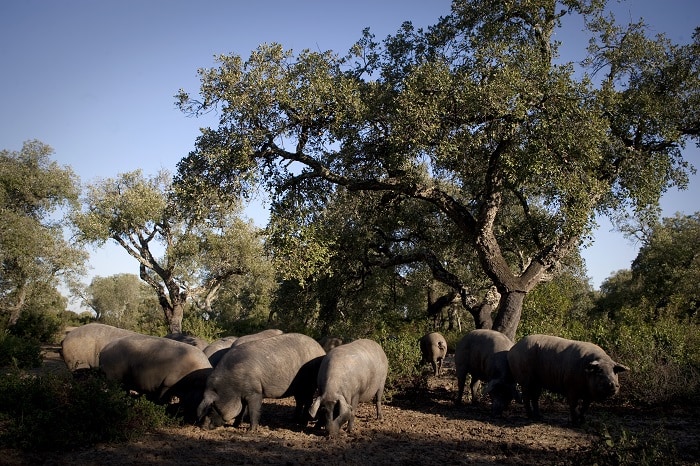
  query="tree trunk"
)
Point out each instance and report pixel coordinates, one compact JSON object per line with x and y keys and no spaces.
{"x":509,"y":311}
{"x":174,"y":317}
{"x":482,"y":315}
{"x":16,"y":309}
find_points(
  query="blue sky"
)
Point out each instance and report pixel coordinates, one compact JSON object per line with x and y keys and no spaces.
{"x":95,"y":80}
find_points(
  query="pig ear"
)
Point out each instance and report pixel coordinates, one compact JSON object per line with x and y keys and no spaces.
{"x":593,"y":366}
{"x":620,"y":368}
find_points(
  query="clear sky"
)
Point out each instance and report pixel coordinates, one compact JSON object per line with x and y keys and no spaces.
{"x":96,"y":79}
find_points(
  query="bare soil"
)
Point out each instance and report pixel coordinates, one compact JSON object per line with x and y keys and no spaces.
{"x":422,"y":426}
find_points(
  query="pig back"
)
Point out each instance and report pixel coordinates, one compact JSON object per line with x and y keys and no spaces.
{"x":270,"y":364}
{"x":554,"y":363}
{"x":356,"y":368}
{"x":433,"y":346}
{"x":151,"y":364}
{"x":81,"y":347}
{"x":483,"y":353}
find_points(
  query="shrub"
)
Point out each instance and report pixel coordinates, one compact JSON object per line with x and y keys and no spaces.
{"x":403,"y":353}
{"x":194,"y":324}
{"x":617,"y":446}
{"x":19,"y":352}
{"x":59,"y":412}
{"x":42,"y":326}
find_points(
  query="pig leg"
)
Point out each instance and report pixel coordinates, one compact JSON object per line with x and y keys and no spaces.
{"x":244,"y":412}
{"x":254,"y":407}
{"x":474,"y":388}
{"x":378,"y":402}
{"x":461,"y":381}
{"x":531,"y":399}
{"x":576,"y":412}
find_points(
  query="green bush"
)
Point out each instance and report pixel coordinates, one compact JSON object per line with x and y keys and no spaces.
{"x":194,"y":324}
{"x":59,"y":412}
{"x":403,"y":353}
{"x":616,"y":446}
{"x":42,"y":326}
{"x":19,"y":352}
{"x":664,"y":357}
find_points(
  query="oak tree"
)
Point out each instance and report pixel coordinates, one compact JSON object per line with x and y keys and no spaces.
{"x":475,"y":116}
{"x":184,"y":252}
{"x":35,"y":195}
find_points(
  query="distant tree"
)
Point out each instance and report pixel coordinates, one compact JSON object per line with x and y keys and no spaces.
{"x":667,"y":267}
{"x":199,"y":243}
{"x":117,"y":299}
{"x":617,"y":291}
{"x":475,"y":116}
{"x":560,"y":306}
{"x":663,"y":277}
{"x":35,"y":193}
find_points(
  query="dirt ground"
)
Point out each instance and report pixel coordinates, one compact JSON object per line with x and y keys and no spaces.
{"x":422,"y":427}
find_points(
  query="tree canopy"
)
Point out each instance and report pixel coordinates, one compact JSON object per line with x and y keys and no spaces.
{"x":474,"y":117}
{"x":181,"y":254}
{"x":35,"y":193}
{"x":662,"y":281}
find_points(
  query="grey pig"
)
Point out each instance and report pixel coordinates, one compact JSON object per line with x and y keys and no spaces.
{"x":349,"y":374}
{"x":161,"y":368}
{"x":433,"y":348}
{"x":579,"y":370}
{"x":81,"y":346}
{"x":483,"y":354}
{"x":275,"y":367}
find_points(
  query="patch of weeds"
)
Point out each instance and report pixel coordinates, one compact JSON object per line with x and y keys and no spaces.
{"x":19,"y":352}
{"x":618,"y":447}
{"x":59,"y":412}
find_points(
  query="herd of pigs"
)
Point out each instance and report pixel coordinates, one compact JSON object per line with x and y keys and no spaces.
{"x":220,"y":383}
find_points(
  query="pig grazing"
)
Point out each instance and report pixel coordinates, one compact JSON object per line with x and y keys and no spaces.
{"x":328,"y":343}
{"x":216,"y":349}
{"x":271,"y":332}
{"x":160,"y":368}
{"x":579,"y":370}
{"x":200,"y":343}
{"x":433,"y":349}
{"x":484,"y":355}
{"x":81,"y":346}
{"x":349,"y":374}
{"x":275,"y":367}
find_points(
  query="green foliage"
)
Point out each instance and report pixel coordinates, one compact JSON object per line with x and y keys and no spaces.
{"x":667,"y":268}
{"x":617,"y":446}
{"x":664,"y":356}
{"x":118,"y":299}
{"x":59,"y":412}
{"x":19,"y":352}
{"x":403,"y":352}
{"x":35,"y":194}
{"x":452,"y":337}
{"x":40,"y":326}
{"x":195,"y":325}
{"x":557,"y":307}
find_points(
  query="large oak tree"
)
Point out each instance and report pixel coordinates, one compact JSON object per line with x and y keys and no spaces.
{"x":35,"y":193}
{"x":475,"y":116}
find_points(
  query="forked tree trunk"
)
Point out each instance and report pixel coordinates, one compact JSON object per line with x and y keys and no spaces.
{"x":509,"y":312}
{"x":173,"y":317}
